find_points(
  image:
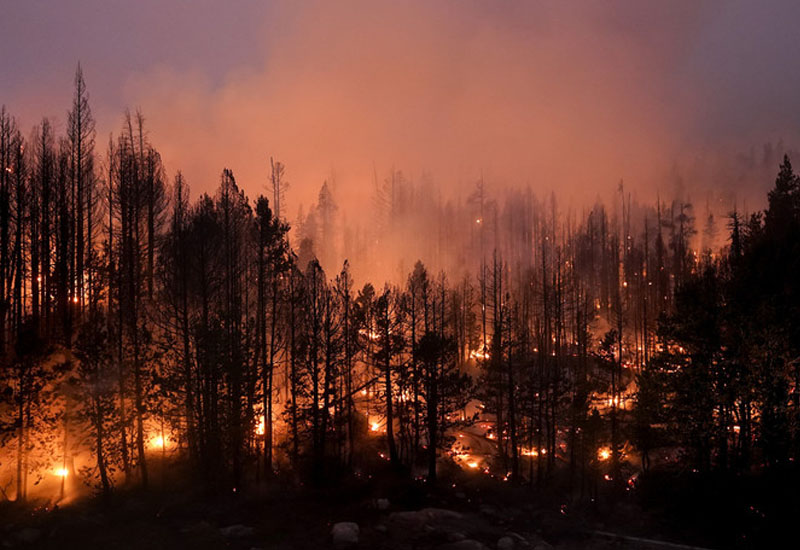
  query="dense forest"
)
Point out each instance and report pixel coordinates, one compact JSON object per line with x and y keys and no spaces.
{"x":544,"y":345}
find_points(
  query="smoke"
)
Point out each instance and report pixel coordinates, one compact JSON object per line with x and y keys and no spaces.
{"x":561,"y":96}
{"x":556,"y":96}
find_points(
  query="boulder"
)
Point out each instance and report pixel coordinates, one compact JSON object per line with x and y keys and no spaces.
{"x":466,"y":544}
{"x":236,"y":531}
{"x":440,"y":514}
{"x":344,"y":533}
{"x":29,"y":535}
{"x":408,"y":520}
{"x":505,"y":543}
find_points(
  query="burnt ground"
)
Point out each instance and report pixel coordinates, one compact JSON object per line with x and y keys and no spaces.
{"x":467,"y":511}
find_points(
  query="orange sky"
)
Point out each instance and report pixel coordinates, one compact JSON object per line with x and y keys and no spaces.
{"x":564,"y":96}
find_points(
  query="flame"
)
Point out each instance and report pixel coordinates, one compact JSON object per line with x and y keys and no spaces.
{"x":62,"y":472}
{"x":404,"y":396}
{"x":603,"y":453}
{"x":616,"y":401}
{"x":479,"y":354}
{"x":157,"y":442}
{"x":261,"y":428}
{"x":472,"y":464}
{"x":371,"y":334}
{"x":375,"y":426}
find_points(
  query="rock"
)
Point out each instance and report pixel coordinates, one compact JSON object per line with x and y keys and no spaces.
{"x":490,"y":511}
{"x":29,"y":535}
{"x":417,"y":519}
{"x":344,"y":533}
{"x":236,"y":531}
{"x":409,"y":520}
{"x":520,"y":541}
{"x":466,"y":544}
{"x":198,"y":528}
{"x":382,"y":504}
{"x":455,"y":536}
{"x":431,"y":524}
{"x":537,"y":542}
{"x":505,"y":543}
{"x":440,"y":514}
{"x":381,"y":528}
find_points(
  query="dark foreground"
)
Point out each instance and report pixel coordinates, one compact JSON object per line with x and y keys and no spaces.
{"x":466,"y":512}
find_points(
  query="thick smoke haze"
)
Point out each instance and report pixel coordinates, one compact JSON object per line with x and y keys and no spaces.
{"x":564,"y":96}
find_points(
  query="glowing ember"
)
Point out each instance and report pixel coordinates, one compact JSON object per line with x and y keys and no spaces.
{"x":479,"y":354}
{"x":261,"y":428}
{"x":604,"y":453}
{"x":371,"y":334}
{"x":472,"y":464}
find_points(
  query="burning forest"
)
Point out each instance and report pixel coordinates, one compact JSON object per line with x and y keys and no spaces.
{"x":493,"y":365}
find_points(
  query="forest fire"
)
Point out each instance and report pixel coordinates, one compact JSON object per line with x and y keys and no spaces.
{"x":479,"y":355}
{"x":551,"y":331}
